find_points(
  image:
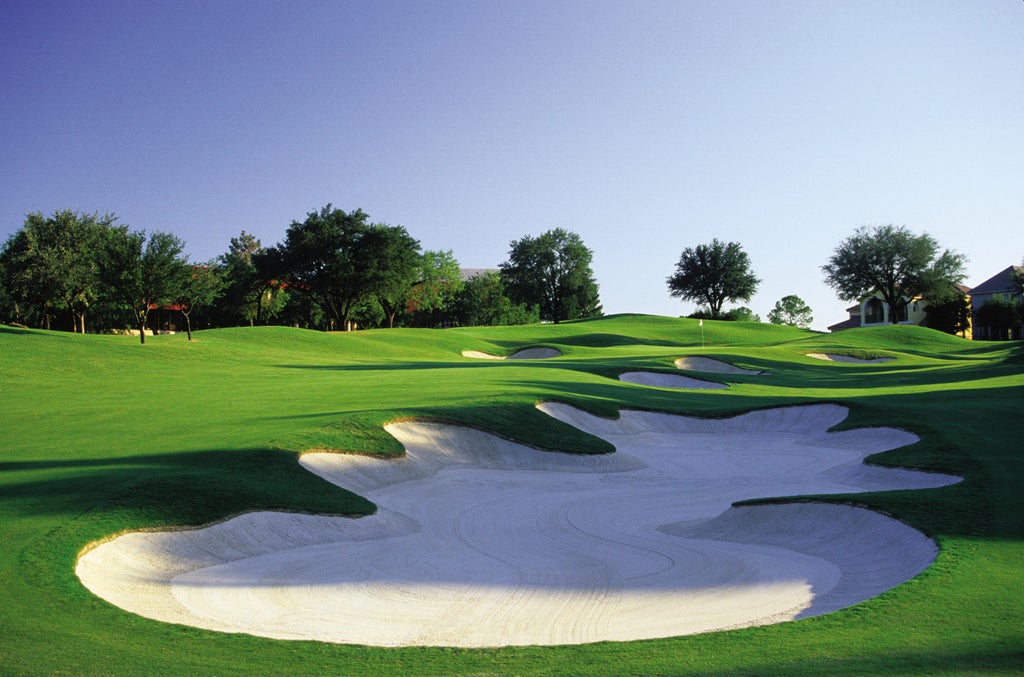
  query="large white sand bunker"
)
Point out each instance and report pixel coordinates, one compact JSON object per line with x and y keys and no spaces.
{"x":537,"y":353}
{"x":848,"y":358}
{"x":662,"y":380}
{"x":712,"y":366}
{"x":483,"y":542}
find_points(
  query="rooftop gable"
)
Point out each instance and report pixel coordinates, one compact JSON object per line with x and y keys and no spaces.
{"x":1000,"y":282}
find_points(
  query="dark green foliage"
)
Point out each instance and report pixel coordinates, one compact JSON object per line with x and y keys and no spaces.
{"x":141,"y":274}
{"x":438,"y":284}
{"x":201,"y":287}
{"x":321,"y":258}
{"x":343,"y":262}
{"x":895,"y":263}
{"x":791,"y":310}
{"x":1000,"y":317}
{"x":393,"y":258}
{"x":53,"y":262}
{"x":950,"y":314}
{"x":711,"y":274}
{"x":552,"y":272}
{"x":483,"y":302}
{"x":251,"y":276}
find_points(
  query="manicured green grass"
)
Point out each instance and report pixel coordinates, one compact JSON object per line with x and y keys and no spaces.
{"x":102,"y":435}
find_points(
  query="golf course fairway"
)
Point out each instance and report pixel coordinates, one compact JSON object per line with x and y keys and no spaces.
{"x":285,"y":501}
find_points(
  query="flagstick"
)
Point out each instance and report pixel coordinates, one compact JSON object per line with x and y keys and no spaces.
{"x":702,"y":333}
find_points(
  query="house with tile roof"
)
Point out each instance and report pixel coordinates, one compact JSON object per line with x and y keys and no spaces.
{"x":873,"y":311}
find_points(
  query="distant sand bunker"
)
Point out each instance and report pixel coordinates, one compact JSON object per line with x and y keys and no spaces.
{"x":711,"y":366}
{"x":540,"y":353}
{"x":662,"y":380}
{"x":479,"y":541}
{"x":847,"y":358}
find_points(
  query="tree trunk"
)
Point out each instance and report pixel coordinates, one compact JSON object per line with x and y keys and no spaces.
{"x":188,"y":326}
{"x":142,"y":328}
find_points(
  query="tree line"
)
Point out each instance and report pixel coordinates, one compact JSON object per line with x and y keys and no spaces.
{"x":337,"y":270}
{"x":333,"y":270}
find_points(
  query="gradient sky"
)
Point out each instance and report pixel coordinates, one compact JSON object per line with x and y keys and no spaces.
{"x":646,"y":127}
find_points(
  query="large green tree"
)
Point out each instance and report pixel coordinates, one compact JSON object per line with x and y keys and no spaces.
{"x":200,"y":288}
{"x":552,"y":271}
{"x":392,"y":258}
{"x":791,"y":310}
{"x":345,"y":262}
{"x":895,"y":263}
{"x":711,"y":274}
{"x":53,"y":261}
{"x":143,"y":275}
{"x":483,"y":302}
{"x":251,"y":276}
{"x":950,"y":313}
{"x":328,"y":257}
{"x":438,"y":284}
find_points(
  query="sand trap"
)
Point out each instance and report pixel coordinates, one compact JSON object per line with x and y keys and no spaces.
{"x":847,"y":358}
{"x":482,"y":542}
{"x":711,"y":366}
{"x":540,"y":353}
{"x":662,"y":380}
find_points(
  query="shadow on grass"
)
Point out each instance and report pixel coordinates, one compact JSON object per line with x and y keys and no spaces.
{"x":968,"y":657}
{"x":185,"y":488}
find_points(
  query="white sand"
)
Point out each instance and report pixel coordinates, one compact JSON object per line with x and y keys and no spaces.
{"x":847,"y":358}
{"x":540,"y":353}
{"x":712,"y":366}
{"x":663,"y":380}
{"x":483,"y":542}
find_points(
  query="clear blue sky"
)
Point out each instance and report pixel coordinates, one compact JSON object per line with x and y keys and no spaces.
{"x":646,"y":127}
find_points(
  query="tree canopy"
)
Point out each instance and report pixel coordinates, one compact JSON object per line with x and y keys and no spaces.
{"x":322,"y":258}
{"x":200,"y":288}
{"x":53,"y":261}
{"x":438,"y":282}
{"x":143,"y":274}
{"x":392,"y":257}
{"x":483,"y":302}
{"x":251,"y":281}
{"x":711,"y":274}
{"x":552,"y":271}
{"x":791,"y":310}
{"x":895,"y":263}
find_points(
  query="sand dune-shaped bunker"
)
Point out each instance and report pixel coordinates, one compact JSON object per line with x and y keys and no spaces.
{"x":662,"y":380}
{"x":712,"y":366}
{"x":848,"y":358}
{"x":535,"y":353}
{"x":479,"y":541}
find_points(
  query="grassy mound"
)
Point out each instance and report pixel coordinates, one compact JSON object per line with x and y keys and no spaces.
{"x":103,"y":435}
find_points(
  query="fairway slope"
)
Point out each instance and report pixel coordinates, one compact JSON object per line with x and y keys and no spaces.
{"x":480,"y":541}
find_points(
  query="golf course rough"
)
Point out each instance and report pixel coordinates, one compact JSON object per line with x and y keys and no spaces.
{"x":483,"y":542}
